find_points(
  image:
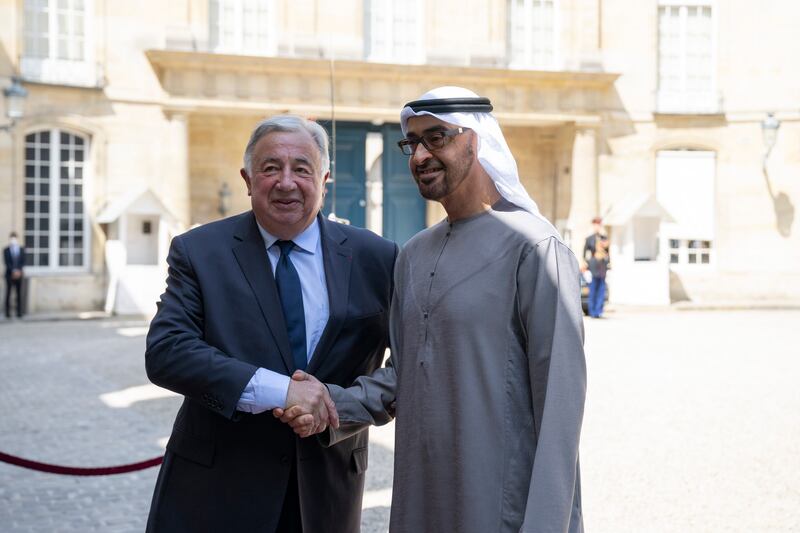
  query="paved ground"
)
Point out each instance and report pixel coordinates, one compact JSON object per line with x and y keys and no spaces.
{"x":692,"y":424}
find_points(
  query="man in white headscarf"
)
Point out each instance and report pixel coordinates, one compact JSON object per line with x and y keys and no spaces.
{"x":487,"y":378}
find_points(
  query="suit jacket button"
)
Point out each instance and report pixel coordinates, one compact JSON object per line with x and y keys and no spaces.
{"x":284,"y":459}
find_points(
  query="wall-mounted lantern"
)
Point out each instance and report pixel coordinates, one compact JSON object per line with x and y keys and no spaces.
{"x":769,"y":133}
{"x":15,"y":95}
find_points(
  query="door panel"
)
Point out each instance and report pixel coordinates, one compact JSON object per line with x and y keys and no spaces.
{"x":349,"y":191}
{"x":403,"y":207}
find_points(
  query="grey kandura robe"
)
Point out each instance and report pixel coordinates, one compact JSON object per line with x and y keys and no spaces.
{"x":489,"y":379}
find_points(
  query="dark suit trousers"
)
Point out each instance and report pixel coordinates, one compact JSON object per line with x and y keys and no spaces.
{"x":16,"y":286}
{"x":290,"y":521}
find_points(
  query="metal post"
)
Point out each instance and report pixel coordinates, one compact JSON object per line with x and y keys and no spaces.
{"x":14,"y":182}
{"x":333,"y":130}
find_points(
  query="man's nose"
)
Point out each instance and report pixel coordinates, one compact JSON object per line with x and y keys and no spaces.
{"x":286,"y":181}
{"x":421,"y":153}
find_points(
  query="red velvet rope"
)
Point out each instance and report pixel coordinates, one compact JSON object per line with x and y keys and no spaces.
{"x":78,"y":471}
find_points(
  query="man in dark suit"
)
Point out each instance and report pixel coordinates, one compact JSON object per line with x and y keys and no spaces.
{"x":14,"y":259}
{"x":250,"y":299}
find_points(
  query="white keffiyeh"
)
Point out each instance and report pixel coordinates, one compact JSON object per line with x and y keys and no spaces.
{"x":493,"y":152}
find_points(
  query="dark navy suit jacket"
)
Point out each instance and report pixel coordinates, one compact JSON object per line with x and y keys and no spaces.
{"x":218,"y":321}
{"x":13,"y":263}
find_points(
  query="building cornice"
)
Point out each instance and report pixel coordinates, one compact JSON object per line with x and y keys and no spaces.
{"x":232,"y":84}
{"x":173,"y":59}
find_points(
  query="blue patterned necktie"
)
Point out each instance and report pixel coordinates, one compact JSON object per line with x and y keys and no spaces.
{"x":291,"y":296}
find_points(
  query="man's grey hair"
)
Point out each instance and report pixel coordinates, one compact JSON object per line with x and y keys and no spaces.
{"x":289,"y":123}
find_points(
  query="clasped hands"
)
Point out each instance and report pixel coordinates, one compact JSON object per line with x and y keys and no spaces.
{"x":309,"y":408}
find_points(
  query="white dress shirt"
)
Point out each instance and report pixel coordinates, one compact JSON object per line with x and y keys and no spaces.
{"x":14,"y":250}
{"x":267,"y":389}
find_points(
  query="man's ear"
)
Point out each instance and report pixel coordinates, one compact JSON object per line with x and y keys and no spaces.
{"x":476,"y":141}
{"x":246,"y":178}
{"x":324,"y":182}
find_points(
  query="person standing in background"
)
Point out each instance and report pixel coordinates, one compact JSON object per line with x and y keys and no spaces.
{"x":591,"y":241}
{"x":14,"y":258}
{"x":598,"y":266}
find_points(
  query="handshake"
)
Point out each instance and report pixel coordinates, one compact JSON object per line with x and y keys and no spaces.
{"x":309,"y":408}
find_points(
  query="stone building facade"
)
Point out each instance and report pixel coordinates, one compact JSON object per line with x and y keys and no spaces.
{"x":649,"y":113}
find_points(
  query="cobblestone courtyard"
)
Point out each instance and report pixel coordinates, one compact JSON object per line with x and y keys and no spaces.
{"x":691,"y":425}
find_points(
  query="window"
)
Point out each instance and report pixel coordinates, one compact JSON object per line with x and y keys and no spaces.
{"x":55,"y":217}
{"x":57,"y":42}
{"x":691,"y":252}
{"x":394,"y":31}
{"x":242,"y":26}
{"x":686,"y":78}
{"x":532,"y":34}
{"x":685,"y":187}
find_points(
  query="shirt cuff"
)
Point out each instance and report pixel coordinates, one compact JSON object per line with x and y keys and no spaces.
{"x":265,"y":391}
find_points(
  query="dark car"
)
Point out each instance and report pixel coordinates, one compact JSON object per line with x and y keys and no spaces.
{"x":584,"y":296}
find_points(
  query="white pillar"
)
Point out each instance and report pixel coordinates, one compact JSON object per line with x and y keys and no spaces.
{"x":175,"y":188}
{"x":585,"y":197}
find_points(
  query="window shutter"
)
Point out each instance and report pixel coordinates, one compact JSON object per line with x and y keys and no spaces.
{"x":670,"y":50}
{"x":517,"y":22}
{"x":37,"y":28}
{"x":214,"y":24}
{"x":379,"y":30}
{"x":685,"y":187}
{"x":531,"y":28}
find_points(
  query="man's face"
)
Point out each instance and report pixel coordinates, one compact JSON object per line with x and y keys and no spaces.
{"x":598,"y":228}
{"x":439,"y":173}
{"x":285,"y":182}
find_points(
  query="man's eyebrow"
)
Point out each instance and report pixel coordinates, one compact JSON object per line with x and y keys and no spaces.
{"x":302,"y":159}
{"x":270,"y":159}
{"x":432,"y":129}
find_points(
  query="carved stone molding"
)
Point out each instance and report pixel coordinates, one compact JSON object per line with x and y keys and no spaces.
{"x":231,"y":84}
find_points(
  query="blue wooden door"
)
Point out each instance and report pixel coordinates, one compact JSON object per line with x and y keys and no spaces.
{"x":347,"y":197}
{"x":403,"y":207}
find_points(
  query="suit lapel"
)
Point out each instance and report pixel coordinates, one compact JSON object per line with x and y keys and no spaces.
{"x":337,"y":260}
{"x":254,"y":262}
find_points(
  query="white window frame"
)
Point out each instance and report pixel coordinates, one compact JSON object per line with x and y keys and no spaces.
{"x":684,"y":102}
{"x":217,"y":20}
{"x":52,"y":69}
{"x":682,"y":251}
{"x":526,"y":61}
{"x":387,"y":26}
{"x":54,"y":213}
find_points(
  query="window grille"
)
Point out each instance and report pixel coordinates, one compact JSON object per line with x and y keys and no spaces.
{"x":55,"y":214}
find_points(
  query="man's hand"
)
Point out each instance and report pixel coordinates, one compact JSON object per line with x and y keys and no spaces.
{"x":309,"y":408}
